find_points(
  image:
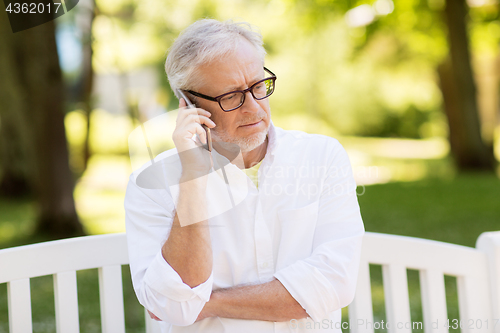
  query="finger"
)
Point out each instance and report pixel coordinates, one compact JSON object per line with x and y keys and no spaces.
{"x":189,"y":130}
{"x":202,"y":134}
{"x":205,"y":121}
{"x":200,"y":111}
{"x":182,"y":103}
{"x":199,"y":134}
{"x":195,"y":118}
{"x":184,"y":113}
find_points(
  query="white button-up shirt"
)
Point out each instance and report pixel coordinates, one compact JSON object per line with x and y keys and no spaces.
{"x":302,"y":226}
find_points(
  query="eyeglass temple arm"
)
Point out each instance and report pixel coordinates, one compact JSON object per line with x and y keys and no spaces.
{"x":201,"y":95}
{"x":275,"y":77}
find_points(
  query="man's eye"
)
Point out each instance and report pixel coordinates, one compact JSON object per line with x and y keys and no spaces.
{"x":260,"y":87}
{"x":228,"y":97}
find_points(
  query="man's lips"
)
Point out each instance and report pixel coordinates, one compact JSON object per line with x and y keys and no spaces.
{"x":251,"y":124}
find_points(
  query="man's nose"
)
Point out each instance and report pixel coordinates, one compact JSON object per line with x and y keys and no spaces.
{"x":250,"y":104}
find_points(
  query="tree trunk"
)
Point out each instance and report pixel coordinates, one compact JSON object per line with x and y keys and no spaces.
{"x":14,"y":136}
{"x":14,"y":181}
{"x":38,"y":96}
{"x":459,"y":95}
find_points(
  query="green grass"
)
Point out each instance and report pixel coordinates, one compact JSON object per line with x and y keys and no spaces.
{"x":16,"y":221}
{"x":455,"y":211}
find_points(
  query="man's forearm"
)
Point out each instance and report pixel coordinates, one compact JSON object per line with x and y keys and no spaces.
{"x":268,"y":301}
{"x":188,"y":249}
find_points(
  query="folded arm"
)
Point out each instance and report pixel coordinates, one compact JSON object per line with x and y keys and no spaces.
{"x":267,"y":301}
{"x":314,"y":286}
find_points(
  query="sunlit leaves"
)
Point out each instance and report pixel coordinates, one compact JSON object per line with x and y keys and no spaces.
{"x":354,"y":79}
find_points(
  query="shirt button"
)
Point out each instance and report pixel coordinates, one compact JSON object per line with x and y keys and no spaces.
{"x":264,"y":265}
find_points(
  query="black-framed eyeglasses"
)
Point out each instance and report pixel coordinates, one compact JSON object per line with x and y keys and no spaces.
{"x":232,"y":100}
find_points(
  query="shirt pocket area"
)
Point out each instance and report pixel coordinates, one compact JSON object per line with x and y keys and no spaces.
{"x":297,"y":233}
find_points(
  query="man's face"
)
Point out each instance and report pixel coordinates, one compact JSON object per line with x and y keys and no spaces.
{"x":246,"y":126}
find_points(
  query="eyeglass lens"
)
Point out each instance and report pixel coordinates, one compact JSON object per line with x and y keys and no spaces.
{"x":260,"y":90}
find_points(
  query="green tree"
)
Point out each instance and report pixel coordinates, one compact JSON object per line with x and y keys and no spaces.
{"x":434,"y":31}
{"x":459,"y":95}
{"x":32,"y":107}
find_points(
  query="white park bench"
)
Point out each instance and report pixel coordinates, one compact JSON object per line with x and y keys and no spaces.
{"x":477,"y":271}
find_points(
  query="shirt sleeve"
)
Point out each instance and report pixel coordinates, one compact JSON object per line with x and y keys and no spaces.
{"x":149,"y":217}
{"x":326,"y":280}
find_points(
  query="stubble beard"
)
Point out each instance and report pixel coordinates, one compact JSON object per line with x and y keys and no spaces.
{"x":246,"y":144}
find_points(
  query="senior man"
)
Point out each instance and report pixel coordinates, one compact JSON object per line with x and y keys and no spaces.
{"x":284,"y":258}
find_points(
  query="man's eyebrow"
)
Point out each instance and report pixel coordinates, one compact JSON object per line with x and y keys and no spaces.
{"x":255,"y":79}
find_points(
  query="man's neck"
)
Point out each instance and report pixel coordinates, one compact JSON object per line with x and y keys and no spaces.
{"x":253,"y":157}
{"x":241,"y":160}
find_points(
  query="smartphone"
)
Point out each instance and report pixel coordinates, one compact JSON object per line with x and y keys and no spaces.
{"x":190,"y":105}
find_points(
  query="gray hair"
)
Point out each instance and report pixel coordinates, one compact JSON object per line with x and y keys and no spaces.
{"x":202,"y":42}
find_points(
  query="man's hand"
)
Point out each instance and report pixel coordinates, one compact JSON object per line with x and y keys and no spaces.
{"x":194,"y":159}
{"x":204,"y":314}
{"x":151,"y":314}
{"x":267,"y":301}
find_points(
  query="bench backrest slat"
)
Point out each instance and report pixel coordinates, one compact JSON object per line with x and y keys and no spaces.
{"x":111,"y":298}
{"x":489,"y":243}
{"x":361,"y":309}
{"x":433,"y":293}
{"x":66,"y":302}
{"x":397,"y":303}
{"x":474,"y":303}
{"x":19,"y":303}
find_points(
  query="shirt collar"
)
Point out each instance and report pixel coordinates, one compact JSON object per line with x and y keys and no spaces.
{"x":273,"y":139}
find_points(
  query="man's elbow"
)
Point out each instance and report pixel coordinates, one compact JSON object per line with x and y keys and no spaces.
{"x":178,"y":313}
{"x":179,"y":319}
{"x":346,"y":293}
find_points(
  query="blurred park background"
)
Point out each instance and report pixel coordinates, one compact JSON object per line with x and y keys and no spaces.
{"x":409,"y":87}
